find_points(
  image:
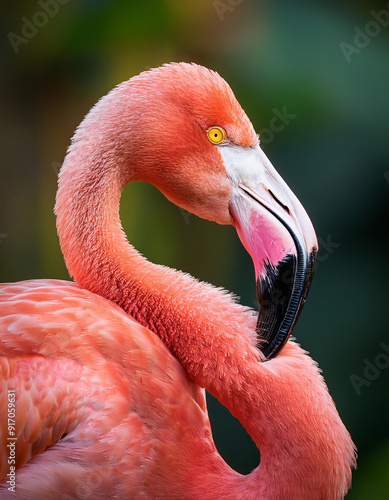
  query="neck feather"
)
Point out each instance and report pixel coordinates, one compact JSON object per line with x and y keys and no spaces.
{"x":283,"y":404}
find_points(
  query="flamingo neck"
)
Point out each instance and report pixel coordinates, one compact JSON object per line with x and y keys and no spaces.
{"x":204,"y":327}
{"x":185,"y":313}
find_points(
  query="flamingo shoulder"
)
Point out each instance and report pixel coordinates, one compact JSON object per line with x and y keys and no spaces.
{"x":87,"y":378}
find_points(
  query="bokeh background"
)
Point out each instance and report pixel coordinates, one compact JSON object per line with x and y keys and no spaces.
{"x":301,"y":58}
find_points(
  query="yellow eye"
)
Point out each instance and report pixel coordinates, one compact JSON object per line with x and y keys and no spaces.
{"x":216,"y":135}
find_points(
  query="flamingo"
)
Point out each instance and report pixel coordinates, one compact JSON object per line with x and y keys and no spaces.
{"x":108,"y":373}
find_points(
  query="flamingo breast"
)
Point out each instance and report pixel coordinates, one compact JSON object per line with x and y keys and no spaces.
{"x":94,"y":393}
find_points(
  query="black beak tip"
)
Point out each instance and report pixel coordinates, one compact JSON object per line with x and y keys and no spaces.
{"x":271,"y":351}
{"x":281,"y":292}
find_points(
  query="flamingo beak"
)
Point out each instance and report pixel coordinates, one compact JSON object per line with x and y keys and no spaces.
{"x":278,"y":234}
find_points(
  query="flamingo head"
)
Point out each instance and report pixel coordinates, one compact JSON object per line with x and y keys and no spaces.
{"x":192,"y":140}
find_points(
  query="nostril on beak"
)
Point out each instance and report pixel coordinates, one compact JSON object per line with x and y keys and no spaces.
{"x":279,"y":202}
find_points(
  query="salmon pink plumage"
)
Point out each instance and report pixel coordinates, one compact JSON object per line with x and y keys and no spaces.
{"x":109,"y":371}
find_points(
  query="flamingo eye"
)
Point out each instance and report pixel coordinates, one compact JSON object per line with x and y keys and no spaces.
{"x":216,"y":135}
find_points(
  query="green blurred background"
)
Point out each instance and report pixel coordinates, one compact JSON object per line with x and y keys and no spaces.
{"x":333,"y":152}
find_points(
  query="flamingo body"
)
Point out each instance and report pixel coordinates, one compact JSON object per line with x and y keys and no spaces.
{"x":110,"y":371}
{"x":87,"y":347}
{"x":98,"y":394}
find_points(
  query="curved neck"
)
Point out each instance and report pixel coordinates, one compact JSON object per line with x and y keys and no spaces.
{"x":206,"y":330}
{"x":184,"y":312}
